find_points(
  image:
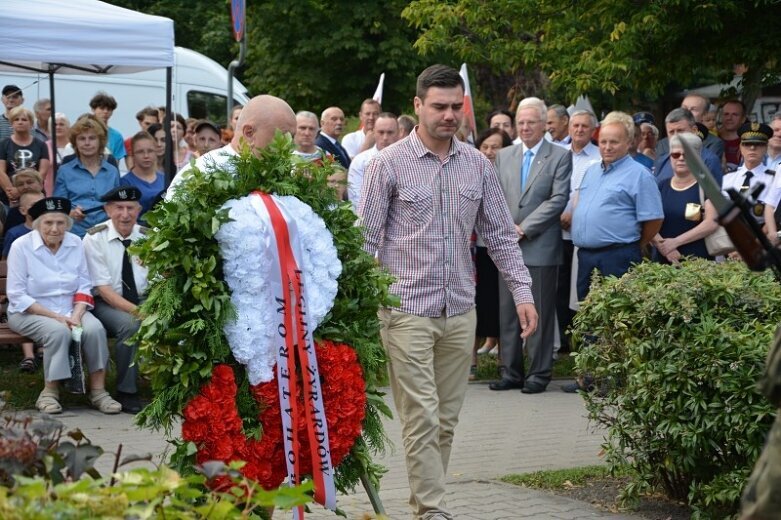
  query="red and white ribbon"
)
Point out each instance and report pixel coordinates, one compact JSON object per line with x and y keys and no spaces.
{"x":296,"y":347}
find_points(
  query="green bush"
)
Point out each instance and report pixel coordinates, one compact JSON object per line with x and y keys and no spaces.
{"x":676,"y":354}
{"x":46,"y":472}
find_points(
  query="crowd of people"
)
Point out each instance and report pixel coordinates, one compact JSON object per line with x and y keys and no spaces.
{"x":514,"y":224}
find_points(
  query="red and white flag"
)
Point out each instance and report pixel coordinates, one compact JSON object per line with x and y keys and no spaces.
{"x":469,"y":111}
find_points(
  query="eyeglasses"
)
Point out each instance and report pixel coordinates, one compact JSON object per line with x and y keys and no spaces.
{"x":752,"y":145}
{"x":677,"y":155}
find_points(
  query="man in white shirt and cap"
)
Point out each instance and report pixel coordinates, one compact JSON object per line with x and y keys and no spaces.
{"x":120,"y":282}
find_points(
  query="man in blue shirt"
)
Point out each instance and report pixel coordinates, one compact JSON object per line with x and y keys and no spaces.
{"x":618,"y":207}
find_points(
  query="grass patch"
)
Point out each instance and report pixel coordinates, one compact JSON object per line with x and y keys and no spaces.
{"x":558,"y":478}
{"x":21,"y":389}
{"x":488,"y":367}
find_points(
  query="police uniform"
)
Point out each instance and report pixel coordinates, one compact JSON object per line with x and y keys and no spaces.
{"x":105,"y":250}
{"x":744,"y":179}
{"x":762,"y":496}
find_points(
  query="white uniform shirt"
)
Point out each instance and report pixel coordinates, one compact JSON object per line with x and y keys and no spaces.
{"x":104,"y":251}
{"x":53,"y":280}
{"x":355,"y":174}
{"x":353,"y":141}
{"x":581,"y":161}
{"x":219,"y":158}
{"x":737,"y":180}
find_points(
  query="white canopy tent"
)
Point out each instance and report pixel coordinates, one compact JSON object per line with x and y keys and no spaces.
{"x":78,"y":36}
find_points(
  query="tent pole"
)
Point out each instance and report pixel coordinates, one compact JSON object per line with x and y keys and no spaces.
{"x":53,"y":126}
{"x":169,"y":144}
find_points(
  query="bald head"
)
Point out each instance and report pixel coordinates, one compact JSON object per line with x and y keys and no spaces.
{"x":260,"y":118}
{"x":332,"y":122}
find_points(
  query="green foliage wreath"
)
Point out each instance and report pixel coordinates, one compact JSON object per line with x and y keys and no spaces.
{"x":188,"y":303}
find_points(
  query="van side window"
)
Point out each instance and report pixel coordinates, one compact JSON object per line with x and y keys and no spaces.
{"x":205,"y":105}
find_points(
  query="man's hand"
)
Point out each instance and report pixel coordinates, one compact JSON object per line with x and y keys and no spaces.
{"x":77,"y":214}
{"x":521,"y":234}
{"x":566,"y":220}
{"x":666,"y":246}
{"x":527,"y":315}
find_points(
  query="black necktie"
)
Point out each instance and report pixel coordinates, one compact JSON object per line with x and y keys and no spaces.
{"x":129,"y":290}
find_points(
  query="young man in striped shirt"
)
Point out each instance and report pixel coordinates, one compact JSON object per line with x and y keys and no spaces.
{"x":421,"y":199}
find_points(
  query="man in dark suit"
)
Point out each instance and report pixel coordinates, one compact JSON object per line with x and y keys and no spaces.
{"x":698,"y":106}
{"x":535,"y":177}
{"x":331,"y":126}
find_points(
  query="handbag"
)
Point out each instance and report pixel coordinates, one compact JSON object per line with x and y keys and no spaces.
{"x":717,"y":243}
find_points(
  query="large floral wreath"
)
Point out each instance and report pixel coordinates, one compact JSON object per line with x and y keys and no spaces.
{"x":190,"y":321}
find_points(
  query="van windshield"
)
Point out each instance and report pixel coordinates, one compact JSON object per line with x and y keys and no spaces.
{"x":205,"y":105}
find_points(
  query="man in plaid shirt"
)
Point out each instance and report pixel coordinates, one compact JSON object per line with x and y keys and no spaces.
{"x":420,"y":201}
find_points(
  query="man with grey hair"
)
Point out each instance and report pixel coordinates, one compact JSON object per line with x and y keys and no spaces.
{"x":536,"y":199}
{"x":307,"y":127}
{"x":331,"y":127}
{"x":582,"y":124}
{"x":43,"y":115}
{"x":681,"y":120}
{"x":698,"y":105}
{"x":557,"y":124}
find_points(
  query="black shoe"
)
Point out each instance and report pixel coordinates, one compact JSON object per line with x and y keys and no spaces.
{"x":576,"y":387}
{"x":505,"y":384}
{"x":131,"y":403}
{"x":533,"y":388}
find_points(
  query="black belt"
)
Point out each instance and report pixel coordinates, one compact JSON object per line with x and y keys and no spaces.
{"x":609,"y":247}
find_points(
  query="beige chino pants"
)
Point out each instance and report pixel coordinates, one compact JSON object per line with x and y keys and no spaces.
{"x":429,"y":372}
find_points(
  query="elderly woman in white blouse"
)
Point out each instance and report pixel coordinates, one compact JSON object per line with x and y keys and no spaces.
{"x":49,"y":293}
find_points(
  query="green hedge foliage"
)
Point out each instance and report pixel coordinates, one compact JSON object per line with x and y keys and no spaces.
{"x":676,"y":354}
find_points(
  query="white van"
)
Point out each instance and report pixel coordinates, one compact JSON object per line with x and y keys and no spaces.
{"x":199,"y":90}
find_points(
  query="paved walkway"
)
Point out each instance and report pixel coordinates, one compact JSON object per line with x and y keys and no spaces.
{"x":499,"y":433}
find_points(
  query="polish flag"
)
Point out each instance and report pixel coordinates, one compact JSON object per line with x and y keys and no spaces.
{"x":378,"y":93}
{"x":468,"y":108}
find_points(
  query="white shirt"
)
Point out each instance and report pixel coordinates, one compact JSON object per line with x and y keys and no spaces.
{"x":36,"y":275}
{"x":355,"y":174}
{"x":104,"y":251}
{"x":737,"y":180}
{"x":216,"y":158}
{"x":353,"y":141}
{"x":581,"y":161}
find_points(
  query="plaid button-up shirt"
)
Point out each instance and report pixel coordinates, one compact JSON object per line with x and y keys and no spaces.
{"x":419,"y":213}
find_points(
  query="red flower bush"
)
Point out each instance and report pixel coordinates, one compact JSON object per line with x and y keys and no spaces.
{"x":212,"y":422}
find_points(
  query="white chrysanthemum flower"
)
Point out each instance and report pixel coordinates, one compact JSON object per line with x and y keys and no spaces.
{"x":248,"y":254}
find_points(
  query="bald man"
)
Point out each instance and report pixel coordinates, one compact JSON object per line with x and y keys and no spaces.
{"x":257,"y":123}
{"x":331,"y":127}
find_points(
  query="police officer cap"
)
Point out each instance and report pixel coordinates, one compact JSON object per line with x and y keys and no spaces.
{"x":643,"y":117}
{"x":755,"y":133}
{"x":122,"y":194}
{"x":50,"y":205}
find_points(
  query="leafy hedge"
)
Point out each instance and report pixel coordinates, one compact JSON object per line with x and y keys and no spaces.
{"x":676,"y":354}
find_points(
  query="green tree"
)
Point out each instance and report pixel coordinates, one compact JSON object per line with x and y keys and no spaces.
{"x":315,"y":53}
{"x":199,"y":25}
{"x":628,"y":49}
